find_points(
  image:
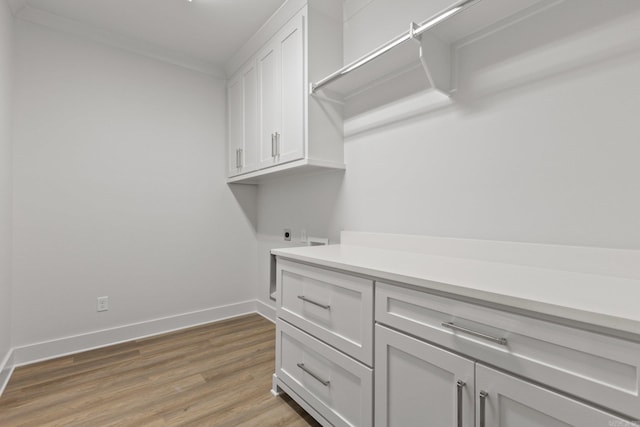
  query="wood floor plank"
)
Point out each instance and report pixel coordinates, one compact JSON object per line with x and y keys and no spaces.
{"x":210,"y":375}
{"x":171,"y":361}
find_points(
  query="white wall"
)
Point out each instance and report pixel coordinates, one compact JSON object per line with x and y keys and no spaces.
{"x":372,"y":23}
{"x":6,"y":68}
{"x":540,"y":145}
{"x":119,"y":190}
{"x":119,"y":184}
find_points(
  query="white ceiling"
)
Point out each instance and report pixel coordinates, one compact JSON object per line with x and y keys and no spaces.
{"x":202,"y":34}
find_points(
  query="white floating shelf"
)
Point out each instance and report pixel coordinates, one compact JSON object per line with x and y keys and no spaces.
{"x":428,"y":45}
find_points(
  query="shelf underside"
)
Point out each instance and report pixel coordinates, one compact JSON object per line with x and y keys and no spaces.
{"x":298,"y":167}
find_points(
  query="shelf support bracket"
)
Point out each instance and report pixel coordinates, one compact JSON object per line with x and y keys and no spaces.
{"x":325,"y":95}
{"x":435,"y":57}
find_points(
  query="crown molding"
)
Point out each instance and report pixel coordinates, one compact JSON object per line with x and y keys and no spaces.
{"x":286,"y":11}
{"x":22,"y":10}
{"x":269,"y":29}
{"x":353,"y":7}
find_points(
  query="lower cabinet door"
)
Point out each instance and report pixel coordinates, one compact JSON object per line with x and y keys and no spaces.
{"x":417,"y":384}
{"x":506,"y":401}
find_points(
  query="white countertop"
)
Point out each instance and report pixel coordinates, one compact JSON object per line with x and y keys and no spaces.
{"x":601,"y":300}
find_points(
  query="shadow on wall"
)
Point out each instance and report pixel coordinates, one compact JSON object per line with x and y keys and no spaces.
{"x":558,"y":39}
{"x":308,"y":202}
{"x":246,"y":196}
{"x":556,"y":42}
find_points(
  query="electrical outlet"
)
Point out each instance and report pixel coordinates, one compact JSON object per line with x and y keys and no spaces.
{"x":287,"y":234}
{"x":103,"y":304}
{"x":303,"y":236}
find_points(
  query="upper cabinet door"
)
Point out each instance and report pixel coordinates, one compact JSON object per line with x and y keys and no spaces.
{"x":242,"y":97}
{"x":291,"y":136}
{"x":269,"y":110}
{"x":249,"y":154}
{"x":236,"y":131}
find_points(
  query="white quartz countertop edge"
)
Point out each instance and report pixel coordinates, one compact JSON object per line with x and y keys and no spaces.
{"x":604,"y":301}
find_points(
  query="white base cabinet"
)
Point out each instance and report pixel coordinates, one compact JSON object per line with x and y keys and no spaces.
{"x":416,"y":382}
{"x":335,"y":385}
{"x":324,"y":342}
{"x":441,"y":362}
{"x":506,"y":401}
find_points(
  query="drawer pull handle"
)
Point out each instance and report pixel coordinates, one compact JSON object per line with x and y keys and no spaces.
{"x":483,"y":404}
{"x":305,"y":299}
{"x":323,"y":382}
{"x":460,"y":385}
{"x":450,"y":325}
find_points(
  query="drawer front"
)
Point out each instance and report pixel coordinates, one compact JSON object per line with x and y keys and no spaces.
{"x":595,"y":367}
{"x":336,"y":386}
{"x":334,"y":307}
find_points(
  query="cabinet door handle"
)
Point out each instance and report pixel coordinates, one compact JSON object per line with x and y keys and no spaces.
{"x":237,"y":157}
{"x":483,"y":404}
{"x":305,"y":299}
{"x":240,"y":159}
{"x":304,"y":368}
{"x":460,"y":385}
{"x":451,"y":325}
{"x":273,"y":145}
{"x":277,"y":144}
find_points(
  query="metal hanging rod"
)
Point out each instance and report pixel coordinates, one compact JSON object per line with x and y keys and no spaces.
{"x":414,"y":32}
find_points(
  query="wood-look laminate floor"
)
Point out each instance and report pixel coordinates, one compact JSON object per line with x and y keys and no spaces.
{"x":212,"y":375}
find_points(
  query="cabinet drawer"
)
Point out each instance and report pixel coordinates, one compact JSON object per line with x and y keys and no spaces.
{"x":592,"y":366}
{"x":336,"y":386}
{"x":334,"y":307}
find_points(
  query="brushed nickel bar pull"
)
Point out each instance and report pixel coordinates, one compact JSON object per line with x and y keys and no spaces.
{"x":483,"y":404}
{"x":240,"y":160}
{"x":323,"y":382}
{"x":277,"y":144}
{"x":237,"y":158}
{"x":451,"y":325}
{"x":273,"y":145}
{"x":305,"y":299}
{"x":460,"y":385}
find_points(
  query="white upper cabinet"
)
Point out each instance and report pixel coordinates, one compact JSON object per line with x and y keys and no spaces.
{"x":281,"y":96}
{"x":289,"y":131}
{"x":269,"y":104}
{"x":242,"y":98}
{"x":290,"y":139}
{"x":236,"y":125}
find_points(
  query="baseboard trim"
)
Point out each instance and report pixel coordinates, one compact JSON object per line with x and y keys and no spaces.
{"x":266,"y":311}
{"x":6,"y":369}
{"x":46,"y":350}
